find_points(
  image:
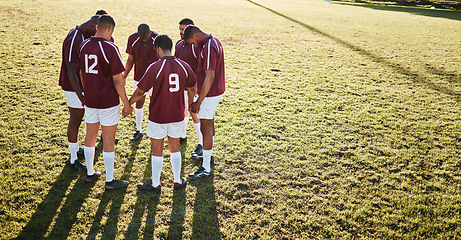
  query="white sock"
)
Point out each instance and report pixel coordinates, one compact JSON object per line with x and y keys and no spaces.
{"x":207,"y":160}
{"x":138,"y":116}
{"x":157,"y":165}
{"x":73,"y":149}
{"x":175,"y":159}
{"x":213,"y":141}
{"x":89,"y":158}
{"x":109,"y":159}
{"x":199,"y":133}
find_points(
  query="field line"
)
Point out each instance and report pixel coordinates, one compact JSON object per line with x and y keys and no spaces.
{"x":417,"y":78}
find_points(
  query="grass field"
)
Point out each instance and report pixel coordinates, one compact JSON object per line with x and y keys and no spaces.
{"x":340,"y":120}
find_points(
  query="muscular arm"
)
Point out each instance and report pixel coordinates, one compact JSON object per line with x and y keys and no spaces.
{"x":209,"y":78}
{"x":128,"y":65}
{"x":119,"y":83}
{"x":138,"y":94}
{"x":73,"y":78}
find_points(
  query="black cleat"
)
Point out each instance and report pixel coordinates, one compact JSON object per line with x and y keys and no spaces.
{"x":200,"y":173}
{"x":137,"y":135}
{"x":78,"y":165}
{"x":182,"y":140}
{"x":198,"y":152}
{"x":93,"y":177}
{"x":115,"y":184}
{"x":81,"y":152}
{"x":182,"y":185}
{"x":148,"y":186}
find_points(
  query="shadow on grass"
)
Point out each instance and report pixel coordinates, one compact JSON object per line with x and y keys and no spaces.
{"x":178,"y":212}
{"x":114,"y":198}
{"x":437,"y":13}
{"x":205,"y":219}
{"x":146,"y":201}
{"x":40,"y":222}
{"x":414,"y":76}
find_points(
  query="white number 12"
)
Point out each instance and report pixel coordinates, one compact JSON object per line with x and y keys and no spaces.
{"x":91,"y":68}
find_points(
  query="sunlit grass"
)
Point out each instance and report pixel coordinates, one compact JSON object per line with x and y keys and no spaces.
{"x":339,"y":121}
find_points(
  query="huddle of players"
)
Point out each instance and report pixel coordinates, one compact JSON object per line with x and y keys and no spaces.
{"x":93,"y":78}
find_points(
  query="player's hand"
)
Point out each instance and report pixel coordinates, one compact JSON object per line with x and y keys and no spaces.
{"x":127,"y":110}
{"x":194,"y":107}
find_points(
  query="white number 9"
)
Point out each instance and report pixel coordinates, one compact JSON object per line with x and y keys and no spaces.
{"x":174,"y":82}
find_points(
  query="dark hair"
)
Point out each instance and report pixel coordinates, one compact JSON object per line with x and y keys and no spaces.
{"x":143,"y":29}
{"x":106,"y":20}
{"x":94,"y":19}
{"x":186,"y":21}
{"x":101,"y":12}
{"x":164,"y":42}
{"x":190,"y":31}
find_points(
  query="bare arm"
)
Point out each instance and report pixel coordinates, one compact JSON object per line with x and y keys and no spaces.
{"x":119,"y":83}
{"x":209,"y":78}
{"x":191,"y":94}
{"x":128,"y":65}
{"x":138,"y":94}
{"x":73,"y":78}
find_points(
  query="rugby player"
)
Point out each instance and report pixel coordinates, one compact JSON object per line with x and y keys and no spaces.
{"x":140,"y":48}
{"x":189,"y":53}
{"x":211,"y":86}
{"x":101,"y":68}
{"x":70,"y":82}
{"x":168,"y":77}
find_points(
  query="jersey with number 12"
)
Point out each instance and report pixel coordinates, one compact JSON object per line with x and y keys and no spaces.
{"x":99,"y":61}
{"x":169,"y":77}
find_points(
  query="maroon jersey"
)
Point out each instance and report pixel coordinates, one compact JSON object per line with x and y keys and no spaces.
{"x":144,"y":53}
{"x":169,"y":77}
{"x":99,"y":61}
{"x":187,"y":52}
{"x":70,"y":54}
{"x":211,"y":58}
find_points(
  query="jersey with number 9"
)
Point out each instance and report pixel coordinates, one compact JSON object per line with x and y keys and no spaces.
{"x":169,"y":77}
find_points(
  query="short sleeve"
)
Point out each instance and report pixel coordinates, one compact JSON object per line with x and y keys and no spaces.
{"x":192,"y":79}
{"x":147,"y":81}
{"x":129,"y":48}
{"x":116,"y":63}
{"x":210,"y":55}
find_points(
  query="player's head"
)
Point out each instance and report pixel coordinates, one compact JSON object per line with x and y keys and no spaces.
{"x":89,"y":27}
{"x":163,"y":42}
{"x":144,"y":31}
{"x":192,"y":34}
{"x":106,"y":22}
{"x":183,"y":24}
{"x":101,"y":12}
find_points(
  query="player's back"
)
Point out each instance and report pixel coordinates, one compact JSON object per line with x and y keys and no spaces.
{"x":170,"y":77}
{"x":99,"y":61}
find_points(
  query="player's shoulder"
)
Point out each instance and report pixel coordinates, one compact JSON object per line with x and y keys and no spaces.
{"x":133,"y":37}
{"x":154,"y":34}
{"x":180,"y":41}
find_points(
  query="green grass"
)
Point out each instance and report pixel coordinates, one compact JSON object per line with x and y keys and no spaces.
{"x":339,"y":121}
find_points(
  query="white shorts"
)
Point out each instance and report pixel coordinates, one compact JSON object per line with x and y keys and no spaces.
{"x":208,"y":107}
{"x":160,"y":131}
{"x":72,"y":100}
{"x":135,"y":86}
{"x":105,"y":116}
